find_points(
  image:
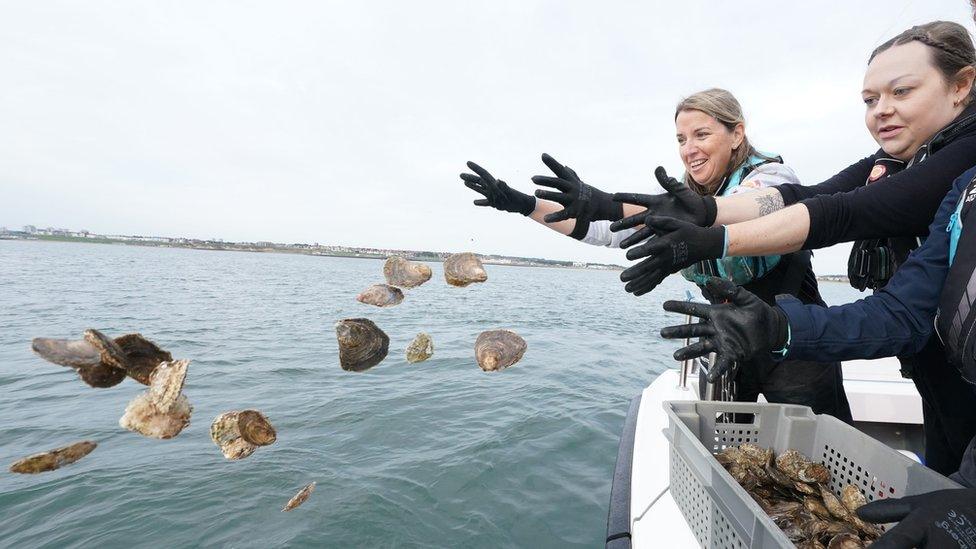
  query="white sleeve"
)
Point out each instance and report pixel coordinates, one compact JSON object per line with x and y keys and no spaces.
{"x":599,"y":234}
{"x":767,"y":175}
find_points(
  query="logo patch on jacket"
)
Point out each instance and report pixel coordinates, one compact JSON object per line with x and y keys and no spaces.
{"x":877,"y":172}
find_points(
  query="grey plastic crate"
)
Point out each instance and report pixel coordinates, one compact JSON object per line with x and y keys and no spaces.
{"x":719,"y":510}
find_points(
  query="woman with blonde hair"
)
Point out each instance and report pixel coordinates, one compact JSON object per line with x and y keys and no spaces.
{"x":719,"y":160}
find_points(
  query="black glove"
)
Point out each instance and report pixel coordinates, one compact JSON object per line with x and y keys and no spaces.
{"x":944,"y":518}
{"x":497,"y":194}
{"x":736,"y":331}
{"x":674,"y":246}
{"x":580,"y":201}
{"x":679,"y":202}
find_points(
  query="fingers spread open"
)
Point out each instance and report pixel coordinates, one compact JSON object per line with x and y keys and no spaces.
{"x":652,"y":247}
{"x":634,"y":271}
{"x":477,"y":187}
{"x":683,"y":331}
{"x":480,"y":171}
{"x":553,"y":182}
{"x":723,"y":363}
{"x":695,"y":350}
{"x":561,"y":198}
{"x":701,"y":310}
{"x":720,"y":289}
{"x":669,"y":184}
{"x":555,"y":217}
{"x":635,"y":198}
{"x":641,"y":235}
{"x":647,"y":282}
{"x":554,"y":165}
{"x":628,"y":222}
{"x":663,"y":225}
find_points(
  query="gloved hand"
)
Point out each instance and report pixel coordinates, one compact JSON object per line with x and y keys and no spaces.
{"x":674,"y":246}
{"x":944,"y":518}
{"x":496,"y":193}
{"x":679,"y":202}
{"x":580,"y":201}
{"x":742,"y":327}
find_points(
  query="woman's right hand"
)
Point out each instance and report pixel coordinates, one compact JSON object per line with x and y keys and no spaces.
{"x":679,"y":202}
{"x":496,"y":193}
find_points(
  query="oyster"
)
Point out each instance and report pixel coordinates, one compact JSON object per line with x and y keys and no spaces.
{"x":109,"y":351}
{"x":755,"y":454}
{"x":405,"y":274}
{"x":162,"y":411}
{"x":852,"y":498}
{"x":299,"y":498}
{"x":814,"y":473}
{"x":239,"y":433}
{"x":381,"y":295}
{"x":833,"y":504}
{"x":498,"y":349}
{"x":53,"y":459}
{"x":810,"y":544}
{"x":816,"y":507}
{"x":463,"y":269}
{"x":103,"y":362}
{"x":362,"y":344}
{"x":66,"y":352}
{"x":420,"y":349}
{"x":791,"y":462}
{"x":845,"y":541}
{"x":141,"y":356}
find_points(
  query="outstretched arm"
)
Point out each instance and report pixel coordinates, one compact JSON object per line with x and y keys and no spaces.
{"x":896,"y":320}
{"x":778,"y":233}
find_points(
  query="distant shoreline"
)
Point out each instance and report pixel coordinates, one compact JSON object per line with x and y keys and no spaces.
{"x":308,"y":249}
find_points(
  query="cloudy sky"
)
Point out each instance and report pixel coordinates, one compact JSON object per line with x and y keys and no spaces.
{"x":348,"y":122}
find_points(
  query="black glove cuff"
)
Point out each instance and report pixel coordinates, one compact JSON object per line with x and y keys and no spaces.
{"x":581,"y":228}
{"x":711,"y":210}
{"x":714,"y":243}
{"x":525,"y":204}
{"x":779,"y":331}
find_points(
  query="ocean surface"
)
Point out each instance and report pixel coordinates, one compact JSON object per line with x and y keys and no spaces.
{"x":405,"y":455}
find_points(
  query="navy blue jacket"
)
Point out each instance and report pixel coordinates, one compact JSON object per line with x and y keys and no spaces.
{"x":896,"y":320}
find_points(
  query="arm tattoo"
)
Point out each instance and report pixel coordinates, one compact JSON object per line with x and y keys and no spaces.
{"x":769,"y":203}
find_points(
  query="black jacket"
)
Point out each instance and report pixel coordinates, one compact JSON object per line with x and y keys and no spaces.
{"x":843,"y":208}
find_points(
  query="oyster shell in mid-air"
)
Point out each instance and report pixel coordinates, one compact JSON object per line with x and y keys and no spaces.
{"x":405,"y":274}
{"x":498,"y":349}
{"x":162,"y":411}
{"x":420,"y":349}
{"x":362,"y":344}
{"x":300,"y":497}
{"x":141,"y":356}
{"x":381,"y":295}
{"x":103,"y":362}
{"x":53,"y":459}
{"x":239,"y":433}
{"x":463,"y":269}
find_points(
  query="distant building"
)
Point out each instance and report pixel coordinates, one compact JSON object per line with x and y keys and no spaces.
{"x":30,"y":229}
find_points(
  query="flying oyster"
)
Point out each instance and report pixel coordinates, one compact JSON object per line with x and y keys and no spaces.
{"x":463,"y":269}
{"x":162,"y":411}
{"x":362,"y":344}
{"x":239,"y":433}
{"x":299,"y":498}
{"x":381,"y":295}
{"x":405,"y":274}
{"x":53,"y":459}
{"x":141,"y":356}
{"x":103,"y":362}
{"x":498,"y":349}
{"x":420,"y":349}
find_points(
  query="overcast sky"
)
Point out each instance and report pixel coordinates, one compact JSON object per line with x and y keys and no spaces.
{"x":348,"y":122}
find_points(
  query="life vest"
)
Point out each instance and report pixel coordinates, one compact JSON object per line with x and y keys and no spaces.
{"x":874,"y":261}
{"x":740,"y":270}
{"x":954,"y":322}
